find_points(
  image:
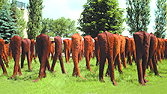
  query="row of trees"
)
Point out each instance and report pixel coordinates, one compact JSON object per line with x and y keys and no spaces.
{"x":101,"y":15}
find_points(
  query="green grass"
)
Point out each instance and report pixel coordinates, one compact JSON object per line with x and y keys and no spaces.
{"x":59,"y":83}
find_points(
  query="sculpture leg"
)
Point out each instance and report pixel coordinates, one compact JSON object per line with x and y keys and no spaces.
{"x":42,"y":69}
{"x":16,"y":66}
{"x":111,"y":69}
{"x":22,"y":58}
{"x":139,"y":69}
{"x":61,"y":63}
{"x":54,"y":62}
{"x":3,"y":67}
{"x":76,"y":66}
{"x":119,"y":63}
{"x":144,"y":66}
{"x":123,"y":60}
{"x":154,"y":65}
{"x":101,"y":67}
{"x":28,"y":59}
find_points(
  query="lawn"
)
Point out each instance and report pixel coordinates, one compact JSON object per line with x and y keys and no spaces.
{"x":58,"y":83}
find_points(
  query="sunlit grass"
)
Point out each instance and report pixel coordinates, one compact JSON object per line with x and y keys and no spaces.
{"x":59,"y":83}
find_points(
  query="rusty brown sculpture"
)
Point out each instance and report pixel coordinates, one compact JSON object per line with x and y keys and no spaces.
{"x":128,"y":50}
{"x":142,"y":44}
{"x":82,"y":51}
{"x":52,"y":50}
{"x":88,"y":49}
{"x":163,"y":49}
{"x":15,"y":45}
{"x":2,"y":51}
{"x":159,"y":50}
{"x":58,"y":54}
{"x":122,"y":50}
{"x":76,"y":53}
{"x":5,"y":55}
{"x":133,"y":50}
{"x":106,"y":51}
{"x":97,"y":51}
{"x":43,"y":48}
{"x":152,"y":62}
{"x":32,"y":55}
{"x":26,"y":43}
{"x":116,"y":52}
{"x":67,"y":49}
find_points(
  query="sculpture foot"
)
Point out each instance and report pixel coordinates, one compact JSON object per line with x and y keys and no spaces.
{"x":64,"y":72}
{"x":82,"y":77}
{"x":36,"y":80}
{"x":145,"y":80}
{"x":92,"y":71}
{"x":143,"y":83}
{"x":102,"y":80}
{"x":20,"y":74}
{"x":30,"y":69}
{"x":53,"y":71}
{"x":68,"y":62}
{"x":114,"y":83}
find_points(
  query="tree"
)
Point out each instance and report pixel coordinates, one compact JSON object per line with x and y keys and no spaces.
{"x":101,"y":15}
{"x":17,"y":14}
{"x":62,"y":27}
{"x":138,"y":15}
{"x":160,"y":20}
{"x":7,"y":24}
{"x":35,"y":17}
{"x":45,"y":25}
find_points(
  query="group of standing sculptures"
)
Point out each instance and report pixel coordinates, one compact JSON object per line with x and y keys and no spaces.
{"x":108,"y":47}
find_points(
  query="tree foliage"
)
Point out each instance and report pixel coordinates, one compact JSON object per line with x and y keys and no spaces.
{"x":17,"y":14}
{"x":61,"y":26}
{"x":138,"y":15}
{"x":1,"y":3}
{"x":101,"y":15}
{"x":8,"y":26}
{"x":160,"y":20}
{"x":35,"y":17}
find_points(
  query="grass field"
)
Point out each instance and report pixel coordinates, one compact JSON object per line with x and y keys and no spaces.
{"x":59,"y":83}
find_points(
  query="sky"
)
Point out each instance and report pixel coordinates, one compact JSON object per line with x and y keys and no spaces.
{"x":72,"y":9}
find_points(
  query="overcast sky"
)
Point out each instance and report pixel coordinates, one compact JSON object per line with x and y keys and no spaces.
{"x":73,"y":8}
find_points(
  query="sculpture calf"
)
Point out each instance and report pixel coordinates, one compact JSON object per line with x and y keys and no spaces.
{"x":122,"y":50}
{"x":76,"y":53}
{"x":133,"y":50}
{"x":88,"y":49}
{"x":128,"y":50}
{"x":58,"y":53}
{"x":32,"y":50}
{"x":97,"y":51}
{"x":2,"y":51}
{"x":159,"y":50}
{"x":152,"y":53}
{"x":67,"y":49}
{"x":43,"y":49}
{"x":26,"y":43}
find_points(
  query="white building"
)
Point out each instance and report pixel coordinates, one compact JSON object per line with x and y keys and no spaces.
{"x":22,"y":6}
